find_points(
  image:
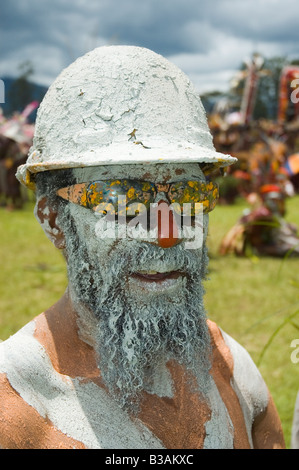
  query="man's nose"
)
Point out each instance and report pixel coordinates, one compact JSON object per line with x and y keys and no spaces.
{"x":168,"y":232}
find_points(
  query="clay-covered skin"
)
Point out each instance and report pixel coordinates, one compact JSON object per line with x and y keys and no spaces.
{"x":52,"y":396}
{"x":127,"y":359}
{"x":53,"y":389}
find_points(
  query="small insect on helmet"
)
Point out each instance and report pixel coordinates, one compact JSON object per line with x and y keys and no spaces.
{"x":117,"y":105}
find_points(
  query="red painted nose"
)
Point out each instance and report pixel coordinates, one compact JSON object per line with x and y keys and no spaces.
{"x":168,"y":233}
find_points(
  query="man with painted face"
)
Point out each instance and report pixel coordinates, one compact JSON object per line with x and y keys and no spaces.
{"x":127,"y":359}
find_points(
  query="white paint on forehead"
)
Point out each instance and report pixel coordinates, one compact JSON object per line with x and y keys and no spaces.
{"x":153,"y":173}
{"x":82,"y":411}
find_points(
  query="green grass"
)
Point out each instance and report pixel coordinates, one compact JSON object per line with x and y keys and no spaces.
{"x":249,"y":298}
{"x":33,"y":274}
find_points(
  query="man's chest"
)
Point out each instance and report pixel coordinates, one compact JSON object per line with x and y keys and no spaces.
{"x":75,"y":414}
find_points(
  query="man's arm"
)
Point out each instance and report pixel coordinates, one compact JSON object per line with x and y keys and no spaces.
{"x":266,"y":430}
{"x":255,"y":399}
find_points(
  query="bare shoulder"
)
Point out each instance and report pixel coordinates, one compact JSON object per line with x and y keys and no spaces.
{"x":242,"y":373}
{"x":28,"y":384}
{"x":17,"y":364}
{"x":255,"y":398}
{"x":247,"y":379}
{"x":21,"y":353}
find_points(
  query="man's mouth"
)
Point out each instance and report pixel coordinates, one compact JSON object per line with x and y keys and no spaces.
{"x":155,"y":276}
{"x":156,"y":280}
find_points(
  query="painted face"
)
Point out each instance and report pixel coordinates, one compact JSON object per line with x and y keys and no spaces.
{"x":104,"y":196}
{"x":105,"y":234}
{"x":147,"y":298}
{"x":163,"y":205}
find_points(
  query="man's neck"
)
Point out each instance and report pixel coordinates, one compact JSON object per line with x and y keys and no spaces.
{"x":68,"y":339}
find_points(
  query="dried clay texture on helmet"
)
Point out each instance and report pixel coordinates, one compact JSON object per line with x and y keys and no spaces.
{"x":121,"y":104}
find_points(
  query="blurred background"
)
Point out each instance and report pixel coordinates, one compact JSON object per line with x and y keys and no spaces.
{"x":243,"y":57}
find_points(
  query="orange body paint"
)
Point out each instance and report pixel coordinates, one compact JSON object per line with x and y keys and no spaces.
{"x":168,"y":233}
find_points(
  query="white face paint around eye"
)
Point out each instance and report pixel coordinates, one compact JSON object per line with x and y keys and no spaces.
{"x":101,"y":236}
{"x":156,"y":173}
{"x":108,"y":231}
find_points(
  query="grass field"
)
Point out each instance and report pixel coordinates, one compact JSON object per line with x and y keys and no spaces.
{"x":250,"y":298}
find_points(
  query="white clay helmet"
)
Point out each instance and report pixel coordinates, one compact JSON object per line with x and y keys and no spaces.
{"x":116,"y":105}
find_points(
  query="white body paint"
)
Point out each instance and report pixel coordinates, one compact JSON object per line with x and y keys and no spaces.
{"x":83,"y":411}
{"x":247,"y":382}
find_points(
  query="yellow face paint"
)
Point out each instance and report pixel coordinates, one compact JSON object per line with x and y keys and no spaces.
{"x":138,"y":195}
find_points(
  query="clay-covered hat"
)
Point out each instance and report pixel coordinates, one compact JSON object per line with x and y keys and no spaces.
{"x":120,"y":105}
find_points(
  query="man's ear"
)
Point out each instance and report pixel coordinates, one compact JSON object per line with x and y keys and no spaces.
{"x":47,"y":217}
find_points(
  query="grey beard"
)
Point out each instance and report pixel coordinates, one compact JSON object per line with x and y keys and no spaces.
{"x":135,"y":331}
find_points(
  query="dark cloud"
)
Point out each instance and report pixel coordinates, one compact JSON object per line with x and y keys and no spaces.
{"x":204,"y":37}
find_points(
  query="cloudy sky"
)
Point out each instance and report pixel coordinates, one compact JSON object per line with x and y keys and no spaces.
{"x":208,"y":39}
